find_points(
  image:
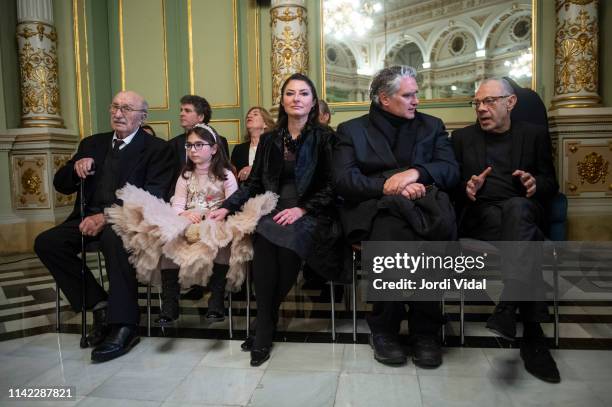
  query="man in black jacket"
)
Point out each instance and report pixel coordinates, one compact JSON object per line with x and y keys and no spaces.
{"x":508,"y":181}
{"x":106,"y":162}
{"x":393,"y":153}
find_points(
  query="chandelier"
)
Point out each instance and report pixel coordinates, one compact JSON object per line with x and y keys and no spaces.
{"x":521,"y":66}
{"x":346,"y":18}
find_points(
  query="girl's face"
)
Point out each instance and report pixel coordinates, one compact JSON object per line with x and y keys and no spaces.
{"x":297,"y":99}
{"x":199,"y":151}
{"x":254,"y":120}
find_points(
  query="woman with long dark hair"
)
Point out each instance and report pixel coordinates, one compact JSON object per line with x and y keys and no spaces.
{"x":294,"y":161}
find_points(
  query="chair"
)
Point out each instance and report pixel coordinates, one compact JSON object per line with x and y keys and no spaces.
{"x":557,"y":218}
{"x":353,"y":284}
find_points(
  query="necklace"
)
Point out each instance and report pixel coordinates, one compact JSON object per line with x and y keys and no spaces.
{"x":290,"y":144}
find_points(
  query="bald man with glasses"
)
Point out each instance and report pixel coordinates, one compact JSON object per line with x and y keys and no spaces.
{"x":106,"y":162}
{"x":508,"y":181}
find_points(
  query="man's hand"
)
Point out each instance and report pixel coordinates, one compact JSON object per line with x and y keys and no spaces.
{"x":217,"y":214}
{"x":395,"y":184}
{"x":528,"y":181}
{"x":83,"y":167}
{"x":193,"y":216}
{"x":414,"y":191}
{"x":92,"y":225}
{"x":476,"y":182}
{"x":288,"y":216}
{"x":244,"y":173}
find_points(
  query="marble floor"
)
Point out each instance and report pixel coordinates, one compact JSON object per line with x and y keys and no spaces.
{"x":207,"y":372}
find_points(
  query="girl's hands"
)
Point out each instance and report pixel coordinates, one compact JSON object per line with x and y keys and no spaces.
{"x":194,"y":217}
{"x":218,"y":214}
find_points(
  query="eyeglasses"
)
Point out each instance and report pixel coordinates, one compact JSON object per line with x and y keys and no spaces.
{"x":125,"y":109}
{"x":488,"y":101}
{"x":198,"y":146}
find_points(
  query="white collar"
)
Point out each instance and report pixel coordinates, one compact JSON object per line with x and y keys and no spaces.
{"x":126,"y":140}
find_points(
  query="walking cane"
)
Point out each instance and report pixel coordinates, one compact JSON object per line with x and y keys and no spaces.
{"x":84,"y":343}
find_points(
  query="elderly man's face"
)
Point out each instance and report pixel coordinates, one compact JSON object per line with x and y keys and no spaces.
{"x":127,"y":113}
{"x":404,"y":102}
{"x":493,"y":107}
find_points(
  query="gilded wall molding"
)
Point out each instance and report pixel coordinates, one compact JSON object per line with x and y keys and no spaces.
{"x":289,"y":25}
{"x":29,"y":181}
{"x":576,"y":54}
{"x":59,"y":160}
{"x":37,"y":51}
{"x":587,"y":167}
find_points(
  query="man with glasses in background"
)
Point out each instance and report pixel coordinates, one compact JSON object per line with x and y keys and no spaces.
{"x":508,"y":180}
{"x":106,"y":162}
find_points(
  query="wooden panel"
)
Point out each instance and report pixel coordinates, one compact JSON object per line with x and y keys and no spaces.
{"x":228,"y":128}
{"x":142,"y":36}
{"x":213,"y":51}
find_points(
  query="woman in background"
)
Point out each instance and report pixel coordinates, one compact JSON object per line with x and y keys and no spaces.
{"x":258,"y":121}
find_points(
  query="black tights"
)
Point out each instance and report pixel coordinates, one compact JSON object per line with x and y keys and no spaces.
{"x":275,"y":271}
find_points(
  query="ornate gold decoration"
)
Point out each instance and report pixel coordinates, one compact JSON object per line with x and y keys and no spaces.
{"x":576,"y":53}
{"x":31,"y":182}
{"x":289,"y":49}
{"x":572,"y":187}
{"x":593,"y":168}
{"x":287,"y":16}
{"x":27,"y":32}
{"x":39,"y":84}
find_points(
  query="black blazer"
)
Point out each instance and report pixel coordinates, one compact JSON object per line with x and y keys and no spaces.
{"x":240,"y":155}
{"x":531,"y":152}
{"x":147,"y":162}
{"x":363,"y":159}
{"x":180,"y":156}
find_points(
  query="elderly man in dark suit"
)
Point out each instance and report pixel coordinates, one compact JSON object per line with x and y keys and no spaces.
{"x":106,"y":162}
{"x":390,"y":156}
{"x":508,"y":181}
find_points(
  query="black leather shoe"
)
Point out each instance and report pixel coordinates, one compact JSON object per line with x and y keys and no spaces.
{"x":216,"y":311}
{"x":100,"y":328}
{"x":503,"y":321}
{"x":117,"y":343}
{"x":259,"y":356}
{"x":538,"y":360}
{"x":387,"y":350}
{"x":426,"y":351}
{"x":247,"y":345}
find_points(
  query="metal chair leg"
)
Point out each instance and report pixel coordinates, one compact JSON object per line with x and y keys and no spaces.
{"x":57,"y":308}
{"x":333,"y":309}
{"x":462,"y":316}
{"x":248,"y":299}
{"x":443,"y":319}
{"x":148,"y":309}
{"x":100,"y":269}
{"x":354,"y":300}
{"x":229,"y":314}
{"x":555,"y":296}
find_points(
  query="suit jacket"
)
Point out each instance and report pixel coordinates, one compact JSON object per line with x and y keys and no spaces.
{"x":240,"y":155}
{"x":531,"y":152}
{"x":146,"y":162}
{"x":180,"y":156}
{"x":363,"y":160}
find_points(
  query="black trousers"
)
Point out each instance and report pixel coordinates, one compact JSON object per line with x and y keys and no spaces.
{"x":516,"y":219}
{"x":275,"y":271}
{"x":58,"y":249}
{"x":424,"y":317}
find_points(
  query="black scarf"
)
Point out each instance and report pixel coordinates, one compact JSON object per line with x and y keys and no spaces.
{"x":387,"y":123}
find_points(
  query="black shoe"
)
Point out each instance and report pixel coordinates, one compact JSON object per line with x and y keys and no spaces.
{"x":426,"y":351}
{"x":503,"y":321}
{"x":387,"y":350}
{"x":100,"y":328}
{"x":216,"y":307}
{"x":247,"y":345}
{"x":170,"y":291}
{"x":538,"y":360}
{"x":259,"y":356}
{"x":195,"y":293}
{"x":117,"y":343}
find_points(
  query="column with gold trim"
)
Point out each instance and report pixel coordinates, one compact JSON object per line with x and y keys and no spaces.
{"x":37,"y":47}
{"x":288,"y":19}
{"x":576,"y":54}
